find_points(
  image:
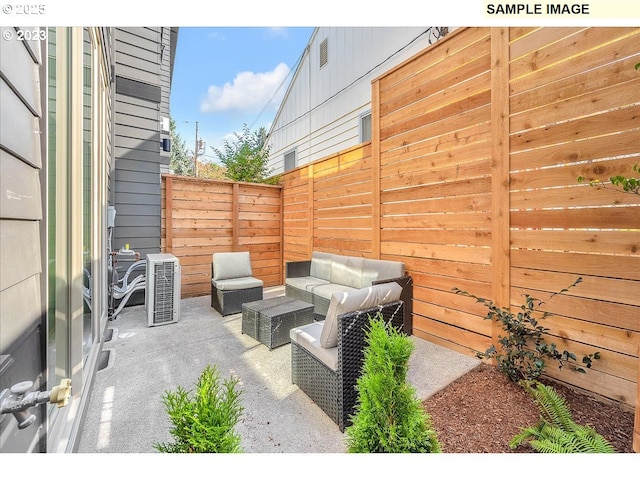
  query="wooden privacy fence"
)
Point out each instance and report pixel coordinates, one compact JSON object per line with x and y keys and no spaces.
{"x":201,"y":217}
{"x":471,"y":180}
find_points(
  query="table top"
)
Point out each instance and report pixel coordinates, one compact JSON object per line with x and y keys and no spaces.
{"x":277,"y":305}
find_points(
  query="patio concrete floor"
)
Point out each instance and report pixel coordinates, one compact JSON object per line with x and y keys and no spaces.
{"x":126,"y":414}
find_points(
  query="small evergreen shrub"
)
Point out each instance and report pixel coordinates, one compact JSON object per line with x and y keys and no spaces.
{"x":204,"y":420}
{"x":523,"y":351}
{"x":388,"y":416}
{"x":556,"y":432}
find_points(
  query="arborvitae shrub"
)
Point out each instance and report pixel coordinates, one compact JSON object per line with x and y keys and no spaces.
{"x":389,"y":418}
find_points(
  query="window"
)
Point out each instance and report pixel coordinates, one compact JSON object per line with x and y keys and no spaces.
{"x":324,"y":53}
{"x":365,"y":127}
{"x":290,"y":160}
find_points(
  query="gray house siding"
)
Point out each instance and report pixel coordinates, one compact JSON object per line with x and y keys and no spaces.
{"x":143,"y":79}
{"x":21,"y":232}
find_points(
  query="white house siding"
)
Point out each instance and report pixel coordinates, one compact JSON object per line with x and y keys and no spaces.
{"x":320,"y":112}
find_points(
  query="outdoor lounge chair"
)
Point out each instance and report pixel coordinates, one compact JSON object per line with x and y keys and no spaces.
{"x":328,"y":374}
{"x":232,"y":283}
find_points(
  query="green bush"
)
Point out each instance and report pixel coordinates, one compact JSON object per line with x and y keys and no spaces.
{"x":556,"y":432}
{"x":204,"y":421}
{"x":388,"y":416}
{"x":523,"y":351}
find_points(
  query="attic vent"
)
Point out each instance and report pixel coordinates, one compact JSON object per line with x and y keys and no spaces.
{"x":324,"y":53}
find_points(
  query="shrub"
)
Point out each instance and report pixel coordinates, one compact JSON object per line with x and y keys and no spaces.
{"x":627,"y":184}
{"x":388,"y":416}
{"x":523,"y":351}
{"x":556,"y":432}
{"x":204,"y":421}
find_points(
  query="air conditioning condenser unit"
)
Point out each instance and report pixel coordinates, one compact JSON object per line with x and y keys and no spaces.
{"x":162,"y":296}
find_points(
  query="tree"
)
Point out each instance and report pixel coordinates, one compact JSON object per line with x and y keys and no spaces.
{"x":180,"y":162}
{"x":246,"y":156}
{"x":211,"y":171}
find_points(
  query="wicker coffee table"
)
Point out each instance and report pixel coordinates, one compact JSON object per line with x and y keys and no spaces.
{"x":270,"y":320}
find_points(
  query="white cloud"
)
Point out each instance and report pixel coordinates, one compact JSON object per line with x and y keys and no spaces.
{"x":281,"y":32}
{"x":249,"y":92}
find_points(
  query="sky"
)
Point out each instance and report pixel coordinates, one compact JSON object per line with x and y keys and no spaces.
{"x":233,"y":61}
{"x":228,"y":77}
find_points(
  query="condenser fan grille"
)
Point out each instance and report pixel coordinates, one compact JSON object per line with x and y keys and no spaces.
{"x":162,"y":289}
{"x":163,"y":306}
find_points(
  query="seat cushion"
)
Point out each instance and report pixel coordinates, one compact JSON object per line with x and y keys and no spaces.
{"x":305,"y":283}
{"x":231,"y":265}
{"x":328,"y":289}
{"x":345,"y":302}
{"x":237,"y":283}
{"x":308,"y":337}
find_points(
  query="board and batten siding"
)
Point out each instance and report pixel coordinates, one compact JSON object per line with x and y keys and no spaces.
{"x":322,"y":108}
{"x":143,"y":68}
{"x":21,"y":226}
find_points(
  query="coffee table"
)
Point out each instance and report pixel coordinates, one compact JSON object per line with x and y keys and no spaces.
{"x":270,"y":320}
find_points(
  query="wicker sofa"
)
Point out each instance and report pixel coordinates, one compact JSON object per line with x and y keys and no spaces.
{"x":327,"y":356}
{"x":316,"y":280}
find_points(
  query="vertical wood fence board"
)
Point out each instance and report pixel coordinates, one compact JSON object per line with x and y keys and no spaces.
{"x":500,"y":226}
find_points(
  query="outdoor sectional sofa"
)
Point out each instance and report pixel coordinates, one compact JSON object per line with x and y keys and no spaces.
{"x":316,"y":280}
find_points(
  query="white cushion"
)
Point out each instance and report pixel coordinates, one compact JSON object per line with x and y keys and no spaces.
{"x":321,"y":265}
{"x":346,"y":302}
{"x":231,"y":265}
{"x":308,"y":337}
{"x":373,"y":270}
{"x":347,"y":270}
{"x":237,"y":283}
{"x":305,"y":283}
{"x":328,"y":289}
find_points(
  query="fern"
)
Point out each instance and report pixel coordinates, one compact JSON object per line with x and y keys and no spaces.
{"x":556,"y":432}
{"x":554,"y":409}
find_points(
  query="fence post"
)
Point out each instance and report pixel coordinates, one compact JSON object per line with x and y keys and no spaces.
{"x":168,"y":213}
{"x":500,"y":220}
{"x":235,"y":214}
{"x":375,"y":169}
{"x":311,"y":202}
{"x":636,"y":424}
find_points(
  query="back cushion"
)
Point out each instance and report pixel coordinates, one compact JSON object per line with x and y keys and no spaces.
{"x":347,"y":271}
{"x":231,"y":265}
{"x":321,"y":265}
{"x":362,"y":299}
{"x":373,"y":270}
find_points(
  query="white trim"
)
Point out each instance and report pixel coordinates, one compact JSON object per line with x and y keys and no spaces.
{"x":295,"y":159}
{"x":360,"y":125}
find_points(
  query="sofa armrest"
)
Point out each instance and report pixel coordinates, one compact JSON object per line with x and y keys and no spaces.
{"x":406,"y":282}
{"x":298,"y":269}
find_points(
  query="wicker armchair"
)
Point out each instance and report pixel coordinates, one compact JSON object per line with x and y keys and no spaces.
{"x":329,"y":375}
{"x":232,"y":283}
